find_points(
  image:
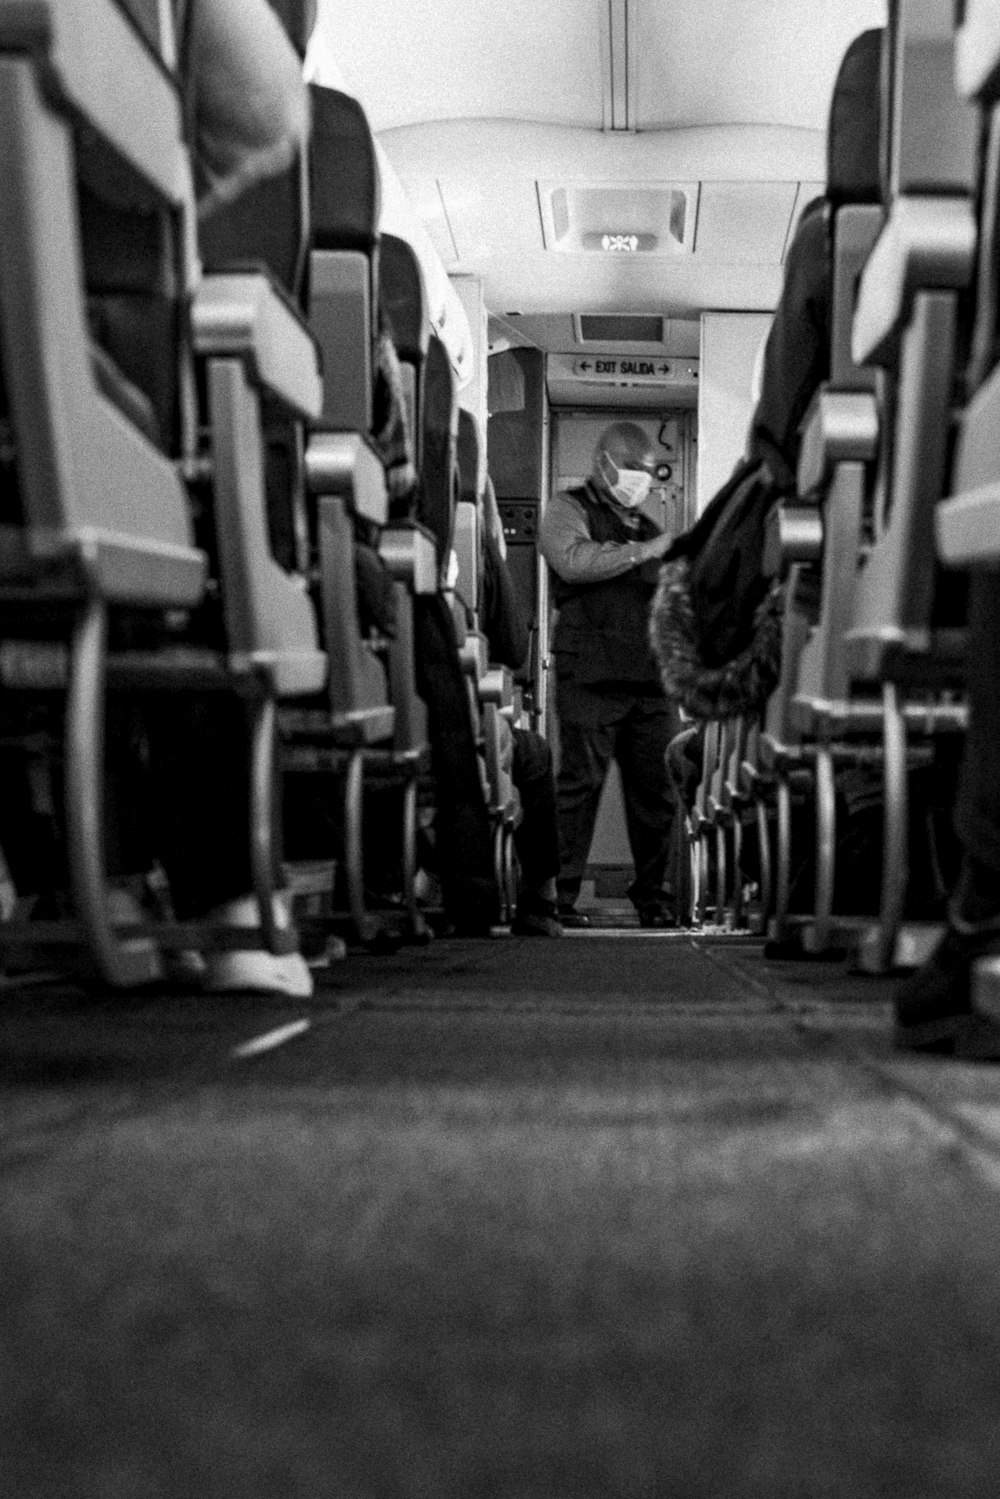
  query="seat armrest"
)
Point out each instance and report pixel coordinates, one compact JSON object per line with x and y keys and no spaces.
{"x":496,"y":686}
{"x":794,"y":533}
{"x":474,"y":654}
{"x":467,"y":548}
{"x":344,"y":463}
{"x":408,"y":551}
{"x":926,"y":244}
{"x":840,"y":427}
{"x":243,"y":316}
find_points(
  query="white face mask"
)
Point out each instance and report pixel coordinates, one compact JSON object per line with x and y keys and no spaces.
{"x":630,"y":486}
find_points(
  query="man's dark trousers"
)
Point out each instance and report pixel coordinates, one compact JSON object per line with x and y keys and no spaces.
{"x":632,"y":724}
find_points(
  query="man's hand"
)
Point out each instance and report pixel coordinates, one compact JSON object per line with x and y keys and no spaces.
{"x":653,"y":550}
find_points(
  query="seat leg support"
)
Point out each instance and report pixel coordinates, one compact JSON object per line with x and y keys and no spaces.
{"x":121,"y":964}
{"x":364,"y":924}
{"x":782,"y":884}
{"x":894,"y":833}
{"x":826,"y":849}
{"x":279,"y":937}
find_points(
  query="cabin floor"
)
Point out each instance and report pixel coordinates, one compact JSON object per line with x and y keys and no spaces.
{"x":617,"y":1215}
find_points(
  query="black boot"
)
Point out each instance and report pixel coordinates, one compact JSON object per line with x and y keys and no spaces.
{"x":933,"y":1006}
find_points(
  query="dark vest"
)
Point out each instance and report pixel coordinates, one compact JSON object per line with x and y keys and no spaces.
{"x":602,"y":633}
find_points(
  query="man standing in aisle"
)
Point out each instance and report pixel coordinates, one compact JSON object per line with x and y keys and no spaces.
{"x":604,"y":554}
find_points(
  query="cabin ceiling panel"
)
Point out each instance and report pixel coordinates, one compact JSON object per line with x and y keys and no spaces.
{"x":742,"y":61}
{"x":436,"y":60}
{"x":424,"y":195}
{"x":494,"y":213}
{"x":552,"y":61}
{"x":727,"y":153}
{"x":545,"y":283}
{"x":744,"y":223}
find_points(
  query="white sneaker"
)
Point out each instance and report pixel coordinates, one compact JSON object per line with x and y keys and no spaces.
{"x":253,"y":970}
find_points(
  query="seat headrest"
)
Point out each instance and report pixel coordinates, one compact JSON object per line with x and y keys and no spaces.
{"x":401,"y":293}
{"x":299,"y":19}
{"x":343,"y":174}
{"x":852,"y":140}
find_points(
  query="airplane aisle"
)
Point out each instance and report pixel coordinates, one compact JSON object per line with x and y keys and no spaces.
{"x":594,"y":1217}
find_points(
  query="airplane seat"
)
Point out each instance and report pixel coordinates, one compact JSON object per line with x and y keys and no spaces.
{"x":968,"y":521}
{"x":467,"y":538}
{"x":466,"y":559}
{"x":404,"y":305}
{"x":344,"y":472}
{"x":905,"y":644}
{"x":343,"y":269}
{"x":105,"y":497}
{"x":105,"y":523}
{"x":491,"y":686}
{"x":134,"y":309}
{"x":819,"y":522}
{"x":839,"y":434}
{"x":912,"y":302}
{"x":496,"y":684}
{"x":374,"y":730}
{"x":431,"y":394}
{"x":439,"y":476}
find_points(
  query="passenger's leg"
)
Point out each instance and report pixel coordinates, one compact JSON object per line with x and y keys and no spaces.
{"x":649,"y":803}
{"x":588,"y":722}
{"x":199,"y":762}
{"x":462,"y":830}
{"x":977,"y":810}
{"x":536,"y":837}
{"x":200,"y":773}
{"x":931,"y":1003}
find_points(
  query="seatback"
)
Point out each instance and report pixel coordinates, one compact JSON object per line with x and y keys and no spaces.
{"x":907,"y":322}
{"x":439,"y":474}
{"x":929,"y":155}
{"x":825,"y":522}
{"x":930,"y":144}
{"x":853,"y":193}
{"x":343,"y":274}
{"x":403,"y":300}
{"x":977,"y":78}
{"x":468,"y":548}
{"x":967,"y":530}
{"x":267,"y":224}
{"x":84,"y":466}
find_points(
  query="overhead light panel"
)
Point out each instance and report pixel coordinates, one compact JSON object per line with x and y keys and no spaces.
{"x":619,"y":218}
{"x":616,"y":243}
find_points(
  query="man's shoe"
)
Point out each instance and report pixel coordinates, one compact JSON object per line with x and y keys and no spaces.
{"x":254,"y":970}
{"x":933,"y":1006}
{"x":571,"y":919}
{"x":536,"y":924}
